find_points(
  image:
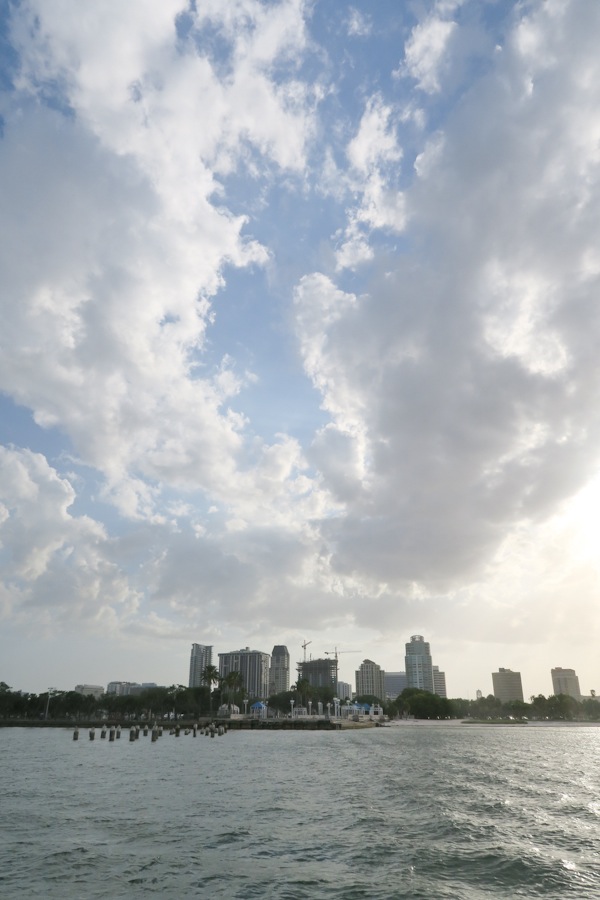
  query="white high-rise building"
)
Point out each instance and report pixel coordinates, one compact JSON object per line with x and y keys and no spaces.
{"x":370,"y":679}
{"x":200,"y":658}
{"x":419,"y":668}
{"x":344,"y":690}
{"x":279,"y":671}
{"x":439,"y":682}
{"x":565,"y":681}
{"x":253,"y":665}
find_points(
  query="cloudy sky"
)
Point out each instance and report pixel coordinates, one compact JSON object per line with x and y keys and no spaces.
{"x":300,"y":335}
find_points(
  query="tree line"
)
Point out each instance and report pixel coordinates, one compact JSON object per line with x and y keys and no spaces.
{"x":195,"y":702}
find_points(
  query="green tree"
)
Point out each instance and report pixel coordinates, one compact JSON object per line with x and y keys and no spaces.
{"x":425,"y":705}
{"x":303,"y":691}
{"x":210,"y":676}
{"x":233,"y":683}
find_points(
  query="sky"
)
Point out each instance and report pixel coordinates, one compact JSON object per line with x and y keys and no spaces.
{"x":300,"y":336}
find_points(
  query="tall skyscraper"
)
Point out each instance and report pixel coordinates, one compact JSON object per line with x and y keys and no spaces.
{"x":253,"y":665}
{"x":507,"y":685}
{"x":370,"y":679}
{"x":200,"y":658}
{"x":565,"y":681}
{"x":279,"y":673}
{"x":419,"y":668}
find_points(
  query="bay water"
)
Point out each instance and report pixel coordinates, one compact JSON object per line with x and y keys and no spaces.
{"x":421,"y":810}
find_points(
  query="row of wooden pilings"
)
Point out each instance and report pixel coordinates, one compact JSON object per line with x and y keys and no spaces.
{"x":114,"y":731}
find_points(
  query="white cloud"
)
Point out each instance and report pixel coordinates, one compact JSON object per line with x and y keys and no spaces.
{"x":457,"y":371}
{"x":56,"y":566}
{"x":425,"y":52}
{"x":374,"y":155}
{"x":118,"y":205}
{"x":359,"y":24}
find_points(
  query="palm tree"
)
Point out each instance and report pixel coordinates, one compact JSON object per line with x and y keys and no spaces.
{"x":234,"y":682}
{"x":303,"y":690}
{"x":210,"y":676}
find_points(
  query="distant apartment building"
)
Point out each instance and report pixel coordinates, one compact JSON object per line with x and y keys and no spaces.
{"x":121,"y":688}
{"x":439,"y":682}
{"x":565,"y":681}
{"x":279,"y":671}
{"x":394,"y":683}
{"x":90,"y":690}
{"x":507,"y":685}
{"x":200,"y":658}
{"x":319,"y":672}
{"x":253,"y":665}
{"x":140,"y":688}
{"x":129,"y":688}
{"x":370,"y":680}
{"x":344,"y":690}
{"x":419,"y":668}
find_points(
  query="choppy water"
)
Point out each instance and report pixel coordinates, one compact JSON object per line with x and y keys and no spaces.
{"x":422,"y":811}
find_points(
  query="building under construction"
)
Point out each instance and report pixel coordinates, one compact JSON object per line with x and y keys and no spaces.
{"x":319,"y":672}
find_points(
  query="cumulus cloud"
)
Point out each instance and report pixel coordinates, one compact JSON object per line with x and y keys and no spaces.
{"x":182,"y":185}
{"x":56,"y":565}
{"x":426,"y":50}
{"x":461,"y":369}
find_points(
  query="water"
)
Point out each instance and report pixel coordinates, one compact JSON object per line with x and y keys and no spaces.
{"x":423,"y":811}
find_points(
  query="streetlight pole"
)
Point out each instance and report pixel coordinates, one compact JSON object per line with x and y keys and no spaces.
{"x":48,"y":701}
{"x":292,"y":705}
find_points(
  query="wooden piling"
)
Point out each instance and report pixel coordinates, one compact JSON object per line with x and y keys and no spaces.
{"x":76,"y":734}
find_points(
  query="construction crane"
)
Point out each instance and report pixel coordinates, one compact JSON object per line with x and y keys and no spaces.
{"x":336,"y":652}
{"x":304,"y":646}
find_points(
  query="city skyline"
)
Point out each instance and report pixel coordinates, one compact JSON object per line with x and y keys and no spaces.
{"x":299,"y":336}
{"x":501,"y":683}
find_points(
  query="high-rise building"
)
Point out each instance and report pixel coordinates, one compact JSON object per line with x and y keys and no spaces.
{"x":419,"y":668}
{"x":200,"y":658}
{"x":370,"y":679}
{"x":565,"y":681}
{"x":343,"y":690}
{"x":319,"y":672}
{"x":253,"y":665}
{"x":507,"y":685}
{"x":279,"y":673}
{"x":394,"y":683}
{"x":121,"y":688}
{"x":439,"y":682}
